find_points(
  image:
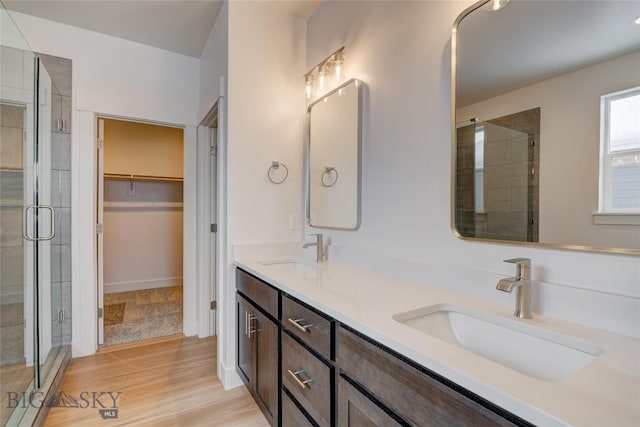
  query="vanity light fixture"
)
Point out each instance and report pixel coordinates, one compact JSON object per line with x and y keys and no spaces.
{"x":496,"y":4}
{"x":333,"y":63}
{"x":637,"y":21}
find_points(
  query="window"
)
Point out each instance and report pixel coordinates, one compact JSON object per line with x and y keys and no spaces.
{"x":620,"y":153}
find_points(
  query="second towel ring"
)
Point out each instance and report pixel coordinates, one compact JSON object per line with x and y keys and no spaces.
{"x":328,"y":170}
{"x":275,"y":166}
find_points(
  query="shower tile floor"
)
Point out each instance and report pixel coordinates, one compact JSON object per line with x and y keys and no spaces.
{"x":11,"y":334}
{"x":138,"y":315}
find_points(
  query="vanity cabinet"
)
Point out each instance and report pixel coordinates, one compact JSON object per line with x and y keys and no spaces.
{"x":320,"y":373}
{"x":308,"y":369}
{"x":257,"y":333}
{"x":356,"y":410}
{"x":417,"y":397}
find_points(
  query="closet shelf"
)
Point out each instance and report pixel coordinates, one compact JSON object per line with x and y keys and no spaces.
{"x":134,"y":205}
{"x":134,"y":177}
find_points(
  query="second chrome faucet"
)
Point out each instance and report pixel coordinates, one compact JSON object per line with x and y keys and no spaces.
{"x":319,"y":244}
{"x":521,"y":282}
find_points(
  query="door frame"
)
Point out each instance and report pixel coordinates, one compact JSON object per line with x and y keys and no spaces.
{"x":93,"y":295}
{"x":208,"y":213}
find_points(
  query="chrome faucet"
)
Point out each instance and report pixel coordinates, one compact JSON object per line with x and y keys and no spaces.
{"x":521,"y":282}
{"x":319,"y":244}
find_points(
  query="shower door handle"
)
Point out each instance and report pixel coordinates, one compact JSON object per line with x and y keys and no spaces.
{"x":25,"y":228}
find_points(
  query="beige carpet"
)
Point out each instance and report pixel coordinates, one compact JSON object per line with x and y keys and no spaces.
{"x":138,"y":315}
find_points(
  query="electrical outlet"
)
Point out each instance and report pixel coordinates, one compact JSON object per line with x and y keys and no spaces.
{"x":294,"y":221}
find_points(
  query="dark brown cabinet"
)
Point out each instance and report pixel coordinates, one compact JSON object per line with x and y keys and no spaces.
{"x":257,"y":356}
{"x":246,"y":346}
{"x":357,"y":410}
{"x":294,"y":357}
{"x":416,"y":397}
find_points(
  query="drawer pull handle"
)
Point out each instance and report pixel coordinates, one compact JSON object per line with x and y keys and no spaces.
{"x":301,"y":383}
{"x":297,"y":324}
{"x":246,"y":323}
{"x":251,"y":323}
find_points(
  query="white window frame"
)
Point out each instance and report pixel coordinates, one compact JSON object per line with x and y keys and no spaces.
{"x":604,"y":193}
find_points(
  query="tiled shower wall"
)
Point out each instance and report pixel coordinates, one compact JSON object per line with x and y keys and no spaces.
{"x":525,"y":199}
{"x":511,"y":207}
{"x":11,"y":244}
{"x":60,"y":71}
{"x":14,"y":70}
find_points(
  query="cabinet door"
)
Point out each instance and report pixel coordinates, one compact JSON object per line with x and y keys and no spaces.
{"x":246,"y":345}
{"x":356,"y":410}
{"x":292,"y":416}
{"x":265,"y":336}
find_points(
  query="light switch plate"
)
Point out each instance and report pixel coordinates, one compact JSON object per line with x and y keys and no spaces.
{"x":294,"y":221}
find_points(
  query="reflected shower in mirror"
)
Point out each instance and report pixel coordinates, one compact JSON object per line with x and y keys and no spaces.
{"x":547,"y":124}
{"x":334,"y":158}
{"x":497,"y":176}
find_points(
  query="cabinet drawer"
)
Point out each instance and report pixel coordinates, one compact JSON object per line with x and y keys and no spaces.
{"x":313,"y":328}
{"x":408,"y":392}
{"x":308,"y":379}
{"x":292,"y":416}
{"x":257,"y":291}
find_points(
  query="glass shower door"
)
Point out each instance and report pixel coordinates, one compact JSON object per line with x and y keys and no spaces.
{"x":17,"y":136}
{"x":34,"y":247}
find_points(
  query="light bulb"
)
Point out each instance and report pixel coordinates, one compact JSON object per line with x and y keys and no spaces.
{"x":308,"y":82}
{"x":497,"y":4}
{"x":338,"y":61}
{"x":321,"y":82}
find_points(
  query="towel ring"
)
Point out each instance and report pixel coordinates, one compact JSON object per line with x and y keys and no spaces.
{"x":275,"y":166}
{"x":328,"y":170}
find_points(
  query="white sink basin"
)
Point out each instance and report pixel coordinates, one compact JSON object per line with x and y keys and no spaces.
{"x":533,"y":351}
{"x":291,"y":265}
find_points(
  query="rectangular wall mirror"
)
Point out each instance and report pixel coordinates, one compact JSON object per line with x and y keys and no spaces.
{"x":546,"y":124}
{"x":334,"y":155}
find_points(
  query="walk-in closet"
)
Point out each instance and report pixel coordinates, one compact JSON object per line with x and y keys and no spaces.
{"x":140,"y":212}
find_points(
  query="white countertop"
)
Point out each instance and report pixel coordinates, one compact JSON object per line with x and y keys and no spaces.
{"x":605,"y":393}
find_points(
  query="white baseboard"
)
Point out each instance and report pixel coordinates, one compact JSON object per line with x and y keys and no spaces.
{"x":229,"y":377}
{"x":110,"y":288}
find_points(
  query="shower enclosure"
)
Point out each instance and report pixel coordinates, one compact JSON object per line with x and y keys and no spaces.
{"x":496,"y":182}
{"x":35,"y":213}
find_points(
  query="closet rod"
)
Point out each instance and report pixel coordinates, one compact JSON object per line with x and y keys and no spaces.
{"x":125,"y":177}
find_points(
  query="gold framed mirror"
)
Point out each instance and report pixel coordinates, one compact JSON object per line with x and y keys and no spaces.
{"x":546,"y":124}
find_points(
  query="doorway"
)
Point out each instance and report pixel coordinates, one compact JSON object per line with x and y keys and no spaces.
{"x":208,"y":217}
{"x":140,"y":231}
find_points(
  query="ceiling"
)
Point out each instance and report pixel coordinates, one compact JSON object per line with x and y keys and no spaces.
{"x":181,"y":26}
{"x":531,"y":41}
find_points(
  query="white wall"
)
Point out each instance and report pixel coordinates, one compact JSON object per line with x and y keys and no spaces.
{"x":401,"y":50}
{"x":264,"y":123}
{"x":213,"y":63}
{"x":142,"y":235}
{"x":570,"y":148}
{"x":119,"y":77}
{"x":116,"y":77}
